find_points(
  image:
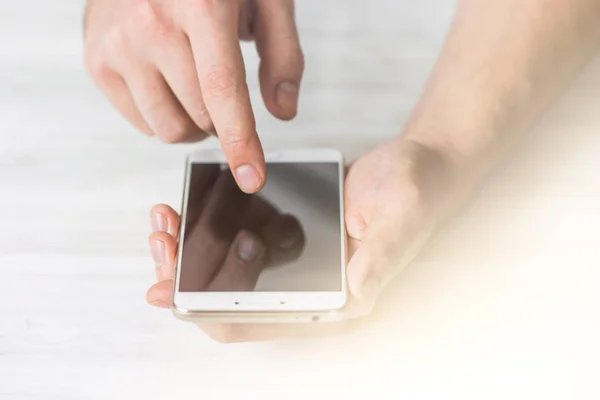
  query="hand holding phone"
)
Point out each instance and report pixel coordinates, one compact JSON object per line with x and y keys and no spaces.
{"x":389,"y":216}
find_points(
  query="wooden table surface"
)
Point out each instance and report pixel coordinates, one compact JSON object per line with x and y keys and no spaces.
{"x":503,"y":304}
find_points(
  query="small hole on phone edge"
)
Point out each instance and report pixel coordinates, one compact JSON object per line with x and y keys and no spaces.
{"x":237,"y":302}
{"x":282,"y":302}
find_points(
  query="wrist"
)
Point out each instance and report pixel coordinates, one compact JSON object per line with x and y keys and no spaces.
{"x":468,"y":149}
{"x":456,"y":145}
{"x":469,"y":119}
{"x":435,"y":177}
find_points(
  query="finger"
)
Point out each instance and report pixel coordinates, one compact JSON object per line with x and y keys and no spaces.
{"x":282,"y":61}
{"x":117,"y":91}
{"x":159,"y":106}
{"x":163,"y":248}
{"x":164,"y":219}
{"x":212,"y":29}
{"x":161,"y":294}
{"x":206,"y":246}
{"x":175,"y":61}
{"x":284,"y":238}
{"x":364,"y":274}
{"x":245,"y":25}
{"x":243,"y":265}
{"x":387,"y":247}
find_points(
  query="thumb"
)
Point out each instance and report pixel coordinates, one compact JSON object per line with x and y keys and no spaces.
{"x":386,"y":250}
{"x":366,"y":272}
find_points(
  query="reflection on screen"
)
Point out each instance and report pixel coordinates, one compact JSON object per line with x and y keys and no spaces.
{"x":286,"y":238}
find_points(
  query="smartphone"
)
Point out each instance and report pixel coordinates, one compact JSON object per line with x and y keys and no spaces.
{"x":275,"y":256}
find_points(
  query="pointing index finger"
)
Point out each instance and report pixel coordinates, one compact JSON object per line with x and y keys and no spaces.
{"x":212,"y":27}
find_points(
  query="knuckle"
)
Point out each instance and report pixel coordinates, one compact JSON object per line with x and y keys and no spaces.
{"x":107,"y":48}
{"x":96,"y":65}
{"x":204,"y":5}
{"x":295,"y":58}
{"x":219,"y":82}
{"x":287,"y":53}
{"x":235,"y":141}
{"x":148,"y":23}
{"x":100,"y":52}
{"x":172,"y":130}
{"x":116,"y":42}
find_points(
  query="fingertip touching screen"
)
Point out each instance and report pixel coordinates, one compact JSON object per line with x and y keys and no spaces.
{"x":285,"y":238}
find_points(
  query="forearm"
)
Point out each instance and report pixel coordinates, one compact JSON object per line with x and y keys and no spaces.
{"x":502,"y":64}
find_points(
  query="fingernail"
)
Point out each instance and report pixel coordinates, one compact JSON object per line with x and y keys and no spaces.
{"x":248,"y":178}
{"x":287,"y":95}
{"x":159,"y":223}
{"x":157,"y":248}
{"x":249,"y":249}
{"x":160,"y":304}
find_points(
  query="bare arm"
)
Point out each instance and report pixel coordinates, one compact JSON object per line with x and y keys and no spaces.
{"x":503,"y":62}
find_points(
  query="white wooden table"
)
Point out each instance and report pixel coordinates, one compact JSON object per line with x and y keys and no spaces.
{"x":503,"y":304}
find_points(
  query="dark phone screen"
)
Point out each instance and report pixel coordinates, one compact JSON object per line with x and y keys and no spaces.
{"x":285,"y":238}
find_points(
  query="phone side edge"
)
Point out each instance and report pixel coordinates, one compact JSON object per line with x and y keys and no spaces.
{"x":184,"y":206}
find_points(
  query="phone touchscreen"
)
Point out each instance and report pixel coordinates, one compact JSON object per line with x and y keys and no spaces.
{"x":285,"y":238}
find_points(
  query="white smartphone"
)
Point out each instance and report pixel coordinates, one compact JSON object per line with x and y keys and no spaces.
{"x":294,"y":268}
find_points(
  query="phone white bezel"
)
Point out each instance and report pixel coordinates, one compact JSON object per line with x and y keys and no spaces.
{"x":248,"y":303}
